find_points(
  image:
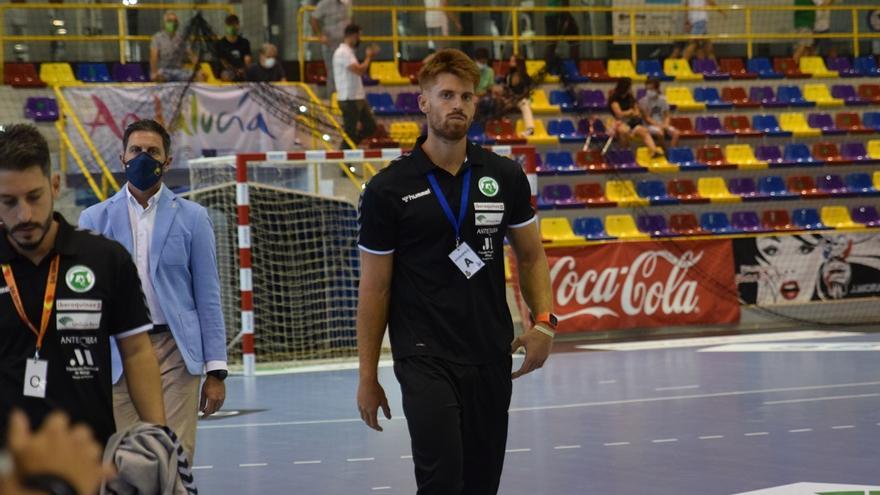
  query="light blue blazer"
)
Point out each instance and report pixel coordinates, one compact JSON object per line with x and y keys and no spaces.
{"x":183,"y":269}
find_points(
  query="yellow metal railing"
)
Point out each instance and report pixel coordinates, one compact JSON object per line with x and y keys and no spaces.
{"x":747,"y":36}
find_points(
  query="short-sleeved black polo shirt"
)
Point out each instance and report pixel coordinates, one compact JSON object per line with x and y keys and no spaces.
{"x":435,"y":310}
{"x":98,"y":295}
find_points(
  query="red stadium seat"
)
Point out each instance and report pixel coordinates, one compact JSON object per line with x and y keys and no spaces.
{"x":870,"y":92}
{"x":592,"y":160}
{"x":500,"y":67}
{"x":829,"y":153}
{"x":685,"y":224}
{"x":381,"y":139}
{"x":21,"y":75}
{"x":411,"y":70}
{"x":685,"y":191}
{"x":851,"y":123}
{"x":503,"y":132}
{"x":805,"y":186}
{"x":736,"y":68}
{"x":686,"y":127}
{"x":738,"y":97}
{"x":592,"y":194}
{"x":776,"y":220}
{"x":789,"y":67}
{"x":316,"y":73}
{"x":595,"y":70}
{"x":740,"y":125}
{"x":713,"y":156}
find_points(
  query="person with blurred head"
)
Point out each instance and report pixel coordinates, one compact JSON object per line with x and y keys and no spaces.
{"x":357,"y":116}
{"x":268,"y":68}
{"x":627,"y":118}
{"x":519,"y":86}
{"x":328,"y":22}
{"x":169,"y":51}
{"x":437,"y":22}
{"x":233,"y":51}
{"x":487,"y":74}
{"x":655,"y":111}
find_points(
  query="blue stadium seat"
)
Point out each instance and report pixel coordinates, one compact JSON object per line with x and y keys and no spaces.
{"x":591,"y":228}
{"x":871,"y":120}
{"x":711,"y":98}
{"x":769,"y":125}
{"x":652,"y":68}
{"x":792,"y":96}
{"x":571,"y":73}
{"x":807,"y":218}
{"x":773,"y":187}
{"x":563,"y":99}
{"x":93,"y":73}
{"x":478,"y":135}
{"x":867,"y":66}
{"x":562,"y":163}
{"x":861,"y":183}
{"x":716,"y":222}
{"x":684,"y":158}
{"x":382,"y":104}
{"x":564,"y":129}
{"x":762,"y":67}
{"x":655,"y":192}
{"x":799,"y":154}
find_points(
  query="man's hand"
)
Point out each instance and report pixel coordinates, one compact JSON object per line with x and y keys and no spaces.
{"x":213,"y":395}
{"x":59,"y":449}
{"x":537,"y":347}
{"x":324,"y":39}
{"x":372,"y":50}
{"x":370,"y":397}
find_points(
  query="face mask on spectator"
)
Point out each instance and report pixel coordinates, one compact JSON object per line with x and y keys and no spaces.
{"x":651,"y":93}
{"x":232,"y":30}
{"x":269,"y":62}
{"x":170,"y":26}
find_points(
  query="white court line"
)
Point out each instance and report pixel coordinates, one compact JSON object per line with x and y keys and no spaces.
{"x":361,"y":459}
{"x":566,"y":447}
{"x":680,"y":387}
{"x":757,"y":434}
{"x":195,"y":468}
{"x":615,"y":444}
{"x":512,"y":451}
{"x":817,"y":399}
{"x":607,"y":382}
{"x":306,"y":462}
{"x":711,"y":437}
{"x":377,"y":488}
{"x":664,"y":440}
{"x":253,"y":464}
{"x":736,"y":393}
{"x":843,"y":427}
{"x":406,"y":457}
{"x":800,"y":430}
{"x":707,"y":341}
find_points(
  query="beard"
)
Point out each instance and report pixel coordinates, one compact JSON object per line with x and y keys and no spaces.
{"x":33,"y":244}
{"x":449,"y":128}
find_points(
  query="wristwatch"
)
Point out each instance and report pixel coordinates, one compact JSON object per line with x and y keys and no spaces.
{"x":548,"y":320}
{"x":219,"y":374}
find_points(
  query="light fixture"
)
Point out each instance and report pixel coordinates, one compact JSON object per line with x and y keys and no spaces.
{"x":302,"y":108}
{"x":57,"y":22}
{"x":62,"y":31}
{"x":326,"y":137}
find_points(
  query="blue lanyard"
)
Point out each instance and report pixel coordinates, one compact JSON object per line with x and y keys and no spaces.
{"x":462,"y":211}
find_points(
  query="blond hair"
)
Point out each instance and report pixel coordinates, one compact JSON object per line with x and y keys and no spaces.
{"x":449,"y":61}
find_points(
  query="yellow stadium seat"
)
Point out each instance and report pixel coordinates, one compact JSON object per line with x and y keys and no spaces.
{"x":877,"y":180}
{"x":816,"y":67}
{"x":743,"y":156}
{"x":387,"y":74}
{"x":821,"y":95}
{"x":624,"y":193}
{"x":716,"y":190}
{"x":57,"y":74}
{"x":797,"y":125}
{"x":680,"y":68}
{"x":533,"y":67}
{"x":838,"y":217}
{"x":405,"y":133}
{"x":681,"y":97}
{"x":624,"y":68}
{"x":541,"y":105}
{"x":557,"y":229}
{"x":874,"y":149}
{"x":654,"y":164}
{"x":540,"y":135}
{"x":623,"y":227}
{"x":206,"y":69}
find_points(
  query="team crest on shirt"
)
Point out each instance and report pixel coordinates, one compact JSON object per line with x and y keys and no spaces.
{"x":488,"y":186}
{"x":80,"y":278}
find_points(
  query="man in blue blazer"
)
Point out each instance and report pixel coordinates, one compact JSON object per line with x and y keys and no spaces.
{"x":172,"y":243}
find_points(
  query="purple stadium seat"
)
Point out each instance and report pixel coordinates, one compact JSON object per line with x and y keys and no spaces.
{"x":745,"y":221}
{"x":709,"y":69}
{"x":744,"y":187}
{"x":129,"y":73}
{"x":591,"y":99}
{"x":41,"y":109}
{"x":824,"y":123}
{"x":848,"y":94}
{"x":832,"y":184}
{"x":622,"y":160}
{"x":408,"y":103}
{"x":711,"y":126}
{"x":560,"y":196}
{"x":764,"y":95}
{"x":770,"y":153}
{"x":654,"y":225}
{"x":856,"y":153}
{"x":866,"y":215}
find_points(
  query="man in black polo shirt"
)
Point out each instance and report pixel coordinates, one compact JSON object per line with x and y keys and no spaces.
{"x":56,"y":354}
{"x":432,"y":233}
{"x":233,"y":51}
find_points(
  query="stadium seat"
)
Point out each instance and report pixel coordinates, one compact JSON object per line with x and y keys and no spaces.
{"x":57,"y":74}
{"x":411,"y":70}
{"x":761,"y":66}
{"x":716,"y":222}
{"x":571,"y":74}
{"x":622,"y":160}
{"x":591,"y":194}
{"x":381,"y":139}
{"x":773,"y":187}
{"x":369,"y":81}
{"x":623,"y":192}
{"x":623,"y":227}
{"x":805,"y":187}
{"x":382,"y":104}
{"x":715,"y":189}
{"x":744,"y":187}
{"x":591,"y":160}
{"x":405,"y":133}
{"x":872,"y":120}
{"x":837,"y":217}
{"x":685,"y":191}
{"x":770,"y":153}
{"x":851,"y":123}
{"x":500,"y":68}
{"x":540,"y":135}
{"x":685,"y":224}
{"x":877,"y":180}
{"x":820,"y":94}
{"x":870,"y":92}
{"x":828,"y":153}
{"x":651,"y":68}
{"x":590,"y":228}
{"x":711,"y":127}
{"x":709,"y":69}
{"x":815,"y":67}
{"x":736,"y":69}
{"x":843,"y":67}
{"x":557,"y":229}
{"x":682,"y":99}
{"x":387,"y":74}
{"x":657,"y":164}
{"x":93,"y":73}
{"x":788,"y":67}
{"x":653,"y":225}
{"x":792,"y":96}
{"x":684,"y":158}
{"x":711,"y":98}
{"x":562,"y":163}
{"x":561,"y":197}
{"x":856,"y":153}
{"x":680,"y":70}
{"x":764,"y":96}
{"x":655,"y":192}
{"x":737,"y":97}
{"x":824,"y":123}
{"x":21,"y":75}
{"x":807,"y":219}
{"x":743,"y":156}
{"x":503,"y":132}
{"x":776,"y":220}
{"x":799,"y":154}
{"x":796,"y":124}
{"x":874,"y":148}
{"x":591,"y":99}
{"x":861,"y":183}
{"x":832,"y":185}
{"x":541,"y":105}
{"x":745,"y":221}
{"x":408,"y":103}
{"x":564,"y":100}
{"x":565,"y":131}
{"x":712,"y":156}
{"x":686,"y":128}
{"x":595,"y":70}
{"x":129,"y":73}
{"x":848,"y":94}
{"x":206,"y":70}
{"x":536,"y":67}
{"x":478,"y":135}
{"x":866,"y":215}
{"x":618,"y":68}
{"x":866,"y":66}
{"x":739,"y":125}
{"x":41,"y":109}
{"x":769,"y":125}
{"x":316,"y":72}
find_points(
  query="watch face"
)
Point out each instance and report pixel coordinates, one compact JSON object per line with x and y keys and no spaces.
{"x":553,"y":320}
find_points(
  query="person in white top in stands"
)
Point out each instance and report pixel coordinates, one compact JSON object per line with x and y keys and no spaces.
{"x":697,"y":24}
{"x":357,"y":116}
{"x":437,"y":23}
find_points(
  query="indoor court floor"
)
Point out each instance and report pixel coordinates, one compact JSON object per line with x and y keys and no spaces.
{"x":715,"y":415}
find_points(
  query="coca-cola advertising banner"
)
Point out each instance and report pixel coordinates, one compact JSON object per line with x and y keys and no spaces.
{"x":799,"y":268}
{"x":643,"y":284}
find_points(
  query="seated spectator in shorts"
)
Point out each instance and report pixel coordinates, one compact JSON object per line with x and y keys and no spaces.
{"x":628,"y":122}
{"x":655,"y":112}
{"x":233,"y":51}
{"x":487,"y":74}
{"x":519,"y":89}
{"x":267,"y":68}
{"x":697,"y":24}
{"x":168,"y":52}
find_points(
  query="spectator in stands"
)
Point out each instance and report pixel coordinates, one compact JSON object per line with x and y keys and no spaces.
{"x":169,"y":51}
{"x":328,"y":23}
{"x":697,"y":24}
{"x":628,"y":121}
{"x":804,"y":23}
{"x":518,"y":90}
{"x":655,"y":111}
{"x":267,"y":68}
{"x":487,"y":74}
{"x":823,"y":46}
{"x":437,"y":23}
{"x":561,"y":24}
{"x":233,"y":51}
{"x":357,"y":116}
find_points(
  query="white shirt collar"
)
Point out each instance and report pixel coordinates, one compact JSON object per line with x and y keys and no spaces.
{"x":150,"y":202}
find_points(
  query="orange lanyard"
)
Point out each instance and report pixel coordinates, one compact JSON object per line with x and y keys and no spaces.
{"x":48,"y":300}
